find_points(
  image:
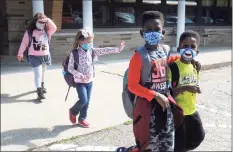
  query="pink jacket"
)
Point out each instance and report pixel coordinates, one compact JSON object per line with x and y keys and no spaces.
{"x":40,"y":41}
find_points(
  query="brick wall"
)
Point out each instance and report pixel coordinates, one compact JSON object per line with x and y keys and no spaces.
{"x":48,"y":4}
{"x":57,"y":13}
{"x":53,"y":9}
{"x":62,"y":43}
{"x":18,"y":12}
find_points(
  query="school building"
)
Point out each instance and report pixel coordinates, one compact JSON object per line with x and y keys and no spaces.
{"x":114,"y":21}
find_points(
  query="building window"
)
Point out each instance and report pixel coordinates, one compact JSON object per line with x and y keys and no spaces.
{"x":222,"y":16}
{"x":125,"y":1}
{"x":171,"y":12}
{"x":207,"y":16}
{"x":207,"y":2}
{"x":222,"y":3}
{"x":218,"y":14}
{"x":72,"y":14}
{"x":128,"y":13}
{"x":101,"y":14}
{"x":124,"y":15}
{"x":151,"y":5}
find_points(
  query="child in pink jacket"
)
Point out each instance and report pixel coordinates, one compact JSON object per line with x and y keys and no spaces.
{"x":41,"y":29}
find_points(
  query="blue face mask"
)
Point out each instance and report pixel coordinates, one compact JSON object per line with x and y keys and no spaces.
{"x":188,"y":54}
{"x":86,"y":46}
{"x":152,"y":38}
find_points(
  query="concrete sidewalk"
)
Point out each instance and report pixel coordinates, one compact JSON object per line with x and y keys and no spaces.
{"x":209,"y":57}
{"x":26,"y":124}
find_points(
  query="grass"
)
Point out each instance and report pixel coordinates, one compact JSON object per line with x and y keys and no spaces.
{"x":130,"y":122}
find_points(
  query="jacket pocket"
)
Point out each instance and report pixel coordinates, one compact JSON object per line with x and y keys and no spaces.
{"x":137,"y":120}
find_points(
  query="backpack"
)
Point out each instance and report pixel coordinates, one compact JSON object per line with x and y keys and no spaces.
{"x":25,"y":53}
{"x":69,"y":78}
{"x":128,"y":98}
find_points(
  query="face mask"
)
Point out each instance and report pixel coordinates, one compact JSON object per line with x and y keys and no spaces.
{"x":40,"y":26}
{"x":188,"y":54}
{"x":152,"y":38}
{"x":86,"y":47}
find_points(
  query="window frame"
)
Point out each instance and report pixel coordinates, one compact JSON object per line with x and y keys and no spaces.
{"x":139,"y":7}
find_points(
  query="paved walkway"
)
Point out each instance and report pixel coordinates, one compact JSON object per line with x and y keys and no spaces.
{"x":214,"y":106}
{"x":27,"y":124}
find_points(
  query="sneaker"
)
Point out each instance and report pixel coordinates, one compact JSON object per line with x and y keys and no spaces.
{"x":130,"y":149}
{"x":43,"y":88}
{"x":135,"y":149}
{"x":40,"y":94}
{"x":121,"y":149}
{"x":84,"y":123}
{"x":72,"y":117}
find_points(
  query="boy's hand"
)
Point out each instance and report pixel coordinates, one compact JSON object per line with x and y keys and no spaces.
{"x":162,"y":100}
{"x":192,"y":88}
{"x":189,"y":88}
{"x":196,"y":64}
{"x":122,"y":45}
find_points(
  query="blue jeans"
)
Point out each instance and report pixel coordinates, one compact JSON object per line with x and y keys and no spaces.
{"x":81,"y":106}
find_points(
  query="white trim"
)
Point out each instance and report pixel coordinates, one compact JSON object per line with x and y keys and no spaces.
{"x":97,"y":33}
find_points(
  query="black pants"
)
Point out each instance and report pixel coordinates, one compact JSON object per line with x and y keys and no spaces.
{"x":190,"y":133}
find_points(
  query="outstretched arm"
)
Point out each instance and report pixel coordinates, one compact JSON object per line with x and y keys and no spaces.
{"x":108,"y":50}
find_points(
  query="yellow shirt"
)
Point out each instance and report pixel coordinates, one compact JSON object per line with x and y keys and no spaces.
{"x":188,"y":76}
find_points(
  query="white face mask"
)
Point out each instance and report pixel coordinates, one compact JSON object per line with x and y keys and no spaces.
{"x":40,"y":26}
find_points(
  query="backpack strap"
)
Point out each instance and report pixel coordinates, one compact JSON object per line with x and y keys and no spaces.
{"x":146,"y":64}
{"x":76,"y":58}
{"x":92,"y":55}
{"x":48,"y":37}
{"x":175,"y":74}
{"x":30,"y":37}
{"x":166,"y":49}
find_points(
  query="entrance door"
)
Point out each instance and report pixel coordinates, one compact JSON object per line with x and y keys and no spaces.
{"x":3,"y":25}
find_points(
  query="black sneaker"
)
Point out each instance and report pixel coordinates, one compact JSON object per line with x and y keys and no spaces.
{"x":40,"y":93}
{"x":43,"y":88}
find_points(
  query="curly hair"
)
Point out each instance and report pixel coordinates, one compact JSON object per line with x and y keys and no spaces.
{"x":190,"y":33}
{"x":152,"y":15}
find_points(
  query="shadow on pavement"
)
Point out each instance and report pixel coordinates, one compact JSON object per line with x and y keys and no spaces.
{"x":26,"y":135}
{"x":7,"y":99}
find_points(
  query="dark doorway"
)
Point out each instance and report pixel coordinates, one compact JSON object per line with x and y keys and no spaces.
{"x":3,"y":27}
